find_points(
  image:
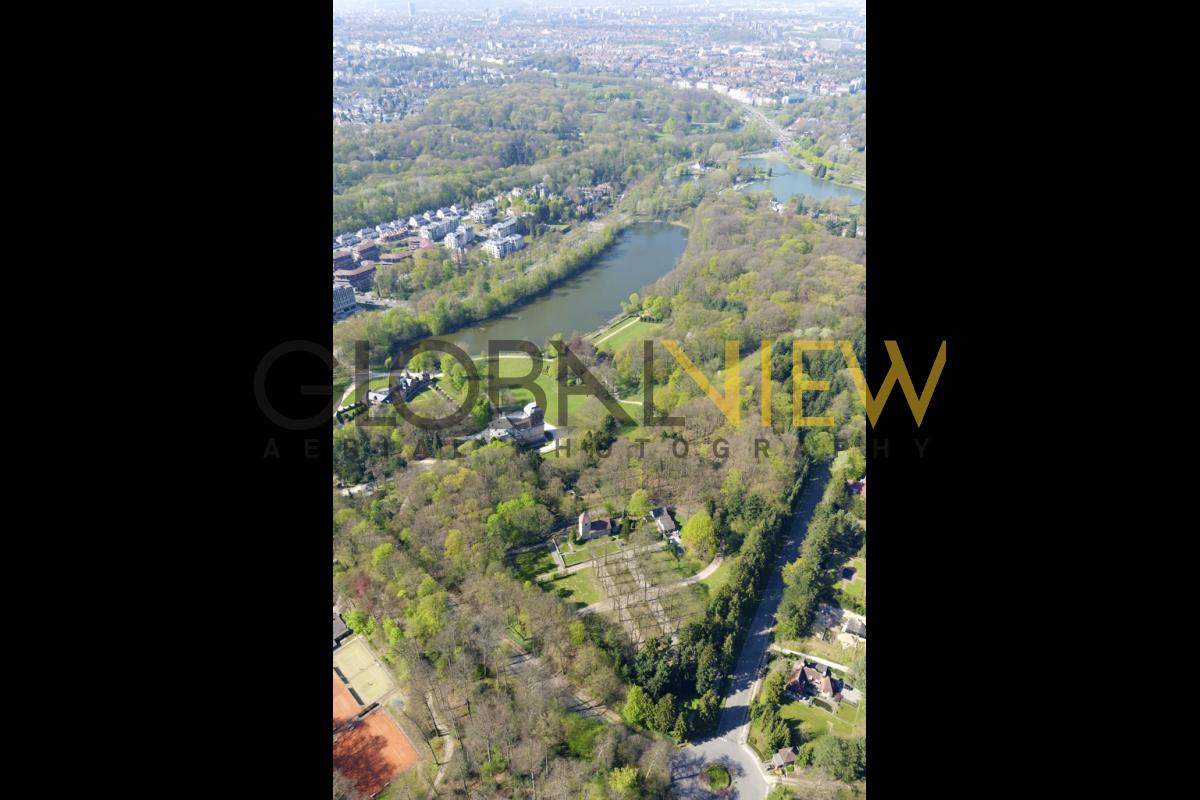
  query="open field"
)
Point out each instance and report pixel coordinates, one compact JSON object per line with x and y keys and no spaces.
{"x":373,"y":752}
{"x":830,"y":651}
{"x":520,"y":365}
{"x":624,"y":334}
{"x":580,"y":588}
{"x":368,"y":680}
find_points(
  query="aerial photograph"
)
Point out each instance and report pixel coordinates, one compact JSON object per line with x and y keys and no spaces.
{"x":599,"y":451}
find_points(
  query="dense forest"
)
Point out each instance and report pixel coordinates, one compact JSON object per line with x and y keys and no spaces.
{"x":564,"y":137}
{"x":430,"y":567}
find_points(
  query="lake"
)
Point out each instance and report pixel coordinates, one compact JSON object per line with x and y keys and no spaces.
{"x":642,"y":254}
{"x":787,"y":181}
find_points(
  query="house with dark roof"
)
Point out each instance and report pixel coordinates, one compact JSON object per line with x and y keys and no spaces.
{"x":366,"y":251}
{"x":361,"y":277}
{"x":857,"y":627}
{"x":340,"y":631}
{"x":813,"y":680}
{"x":662,"y":521}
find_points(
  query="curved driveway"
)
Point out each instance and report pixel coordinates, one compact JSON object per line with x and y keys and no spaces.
{"x":729,"y":746}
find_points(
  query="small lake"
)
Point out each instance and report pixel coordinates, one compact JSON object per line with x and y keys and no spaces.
{"x":787,"y":181}
{"x":642,"y":254}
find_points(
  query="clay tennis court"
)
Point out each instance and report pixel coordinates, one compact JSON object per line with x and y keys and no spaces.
{"x":344,"y":706}
{"x":373,"y":752}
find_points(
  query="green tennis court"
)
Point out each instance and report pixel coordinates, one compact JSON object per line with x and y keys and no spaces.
{"x":369,"y":681}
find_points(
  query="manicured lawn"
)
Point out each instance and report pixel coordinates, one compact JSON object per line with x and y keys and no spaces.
{"x":858,"y":587}
{"x":580,"y":588}
{"x":519,"y":366}
{"x":578,"y":553}
{"x":816,"y":721}
{"x":631,"y":332}
{"x":721,"y":577}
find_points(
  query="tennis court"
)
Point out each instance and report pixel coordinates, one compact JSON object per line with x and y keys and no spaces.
{"x":373,"y":752}
{"x":368,"y":680}
{"x":344,"y":705}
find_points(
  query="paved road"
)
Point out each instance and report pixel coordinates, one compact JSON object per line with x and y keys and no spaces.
{"x":728,"y":746}
{"x":447,"y":747}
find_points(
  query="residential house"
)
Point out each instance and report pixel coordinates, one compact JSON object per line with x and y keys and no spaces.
{"x":662,"y":521}
{"x":814,"y":679}
{"x":342,"y":259}
{"x":783,"y":758}
{"x":857,"y":627}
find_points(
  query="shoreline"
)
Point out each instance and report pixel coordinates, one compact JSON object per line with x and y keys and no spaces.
{"x":622,"y":226}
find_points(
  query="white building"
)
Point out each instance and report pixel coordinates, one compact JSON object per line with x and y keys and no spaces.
{"x":499,"y":248}
{"x":343,"y":301}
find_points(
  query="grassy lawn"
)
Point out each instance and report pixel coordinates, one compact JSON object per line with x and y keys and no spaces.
{"x":581,"y":734}
{"x":528,"y":565}
{"x":716,"y":777}
{"x":519,"y":366}
{"x":858,"y":587}
{"x":684,"y":567}
{"x":580,"y":588}
{"x":578,"y":553}
{"x":631,"y":332}
{"x":719,"y":578}
{"x":849,"y":720}
{"x":830,"y":651}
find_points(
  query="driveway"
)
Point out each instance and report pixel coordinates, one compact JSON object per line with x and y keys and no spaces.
{"x":728,"y":745}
